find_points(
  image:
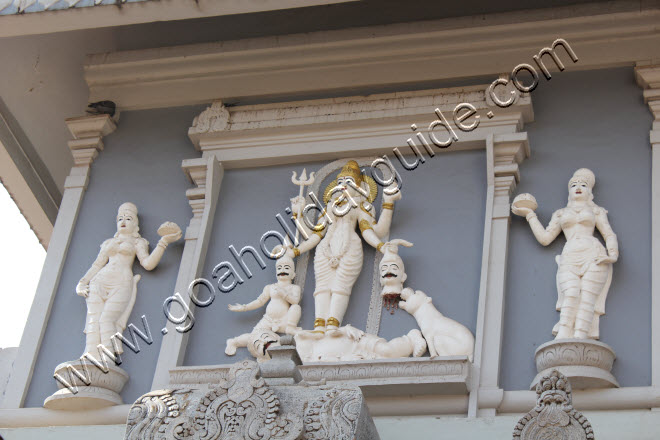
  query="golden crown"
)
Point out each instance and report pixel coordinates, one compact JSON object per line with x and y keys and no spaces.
{"x":351,"y":169}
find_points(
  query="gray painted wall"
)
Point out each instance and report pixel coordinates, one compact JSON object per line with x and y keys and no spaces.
{"x":141,"y":163}
{"x":595,"y":119}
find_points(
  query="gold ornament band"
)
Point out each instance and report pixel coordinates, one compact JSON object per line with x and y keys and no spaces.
{"x":296,"y":252}
{"x":333,"y":321}
{"x":364,"y":225}
{"x":380,"y":245}
{"x":319,"y":322}
{"x":389,"y":206}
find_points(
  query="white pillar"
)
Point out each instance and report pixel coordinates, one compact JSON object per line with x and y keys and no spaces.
{"x":503,"y":153}
{"x":88,"y":132}
{"x":648,"y":77}
{"x":206,"y":173}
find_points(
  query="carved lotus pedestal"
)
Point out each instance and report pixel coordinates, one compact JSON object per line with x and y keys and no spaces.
{"x":586,"y":362}
{"x":100,"y":389}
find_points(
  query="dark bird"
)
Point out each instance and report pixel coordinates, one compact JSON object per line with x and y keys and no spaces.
{"x":101,"y":108}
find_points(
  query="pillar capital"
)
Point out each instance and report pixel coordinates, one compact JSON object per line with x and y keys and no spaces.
{"x":88,"y":133}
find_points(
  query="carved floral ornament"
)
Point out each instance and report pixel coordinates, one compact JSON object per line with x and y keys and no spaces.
{"x":243,"y":407}
{"x":553,"y":417}
{"x":214,"y":118}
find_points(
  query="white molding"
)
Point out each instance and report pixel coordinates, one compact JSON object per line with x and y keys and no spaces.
{"x":379,"y":377}
{"x":36,"y":417}
{"x":618,"y":399}
{"x":355,"y":126}
{"x":648,"y":77}
{"x":206,"y":174}
{"x":141,"y":12}
{"x":374,"y":56}
{"x":84,"y":149}
{"x":503,"y":155}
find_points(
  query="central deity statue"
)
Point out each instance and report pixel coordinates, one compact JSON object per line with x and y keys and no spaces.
{"x":338,"y":259}
{"x":339,"y":255}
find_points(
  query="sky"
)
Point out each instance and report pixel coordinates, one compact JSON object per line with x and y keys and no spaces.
{"x":21,"y":260}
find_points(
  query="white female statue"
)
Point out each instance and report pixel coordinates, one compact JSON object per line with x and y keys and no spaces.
{"x":109,"y":286}
{"x":338,"y":258}
{"x":585,"y":266}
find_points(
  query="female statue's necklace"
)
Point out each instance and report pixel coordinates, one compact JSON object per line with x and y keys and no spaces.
{"x":578,"y":209}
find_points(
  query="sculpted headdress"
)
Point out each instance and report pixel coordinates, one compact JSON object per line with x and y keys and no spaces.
{"x":128,"y":208}
{"x":583,"y":175}
{"x":352,"y":169}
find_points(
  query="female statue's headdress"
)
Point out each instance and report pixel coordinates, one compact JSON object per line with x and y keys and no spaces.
{"x":583,"y":175}
{"x":128,"y":207}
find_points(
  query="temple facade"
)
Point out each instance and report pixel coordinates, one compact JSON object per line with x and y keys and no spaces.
{"x":335,"y":219}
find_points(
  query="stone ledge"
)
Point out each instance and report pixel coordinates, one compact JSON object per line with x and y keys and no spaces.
{"x":395,"y":377}
{"x":377,"y":378}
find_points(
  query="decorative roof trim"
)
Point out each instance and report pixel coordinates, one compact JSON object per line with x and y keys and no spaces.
{"x":371,"y":57}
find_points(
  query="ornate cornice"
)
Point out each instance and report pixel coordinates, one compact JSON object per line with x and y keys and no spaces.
{"x":374,"y":56}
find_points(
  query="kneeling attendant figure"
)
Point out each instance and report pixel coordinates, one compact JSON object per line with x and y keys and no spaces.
{"x":283,"y":310}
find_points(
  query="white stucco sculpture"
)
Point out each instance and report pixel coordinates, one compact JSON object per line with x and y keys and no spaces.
{"x":585,"y":266}
{"x":339,"y":256}
{"x":109,"y":286}
{"x":351,"y":344}
{"x":282,"y":313}
{"x":444,"y":336}
{"x":392,"y":274}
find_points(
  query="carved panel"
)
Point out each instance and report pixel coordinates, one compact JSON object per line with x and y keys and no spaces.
{"x":553,"y":417}
{"x":243,"y":406}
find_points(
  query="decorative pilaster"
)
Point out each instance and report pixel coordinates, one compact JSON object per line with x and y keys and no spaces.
{"x":504,"y":153}
{"x":206,"y":174}
{"x":88,"y":133}
{"x":648,"y":77}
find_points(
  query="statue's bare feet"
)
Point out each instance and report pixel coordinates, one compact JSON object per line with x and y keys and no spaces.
{"x":419,"y":343}
{"x":352,"y":332}
{"x":231,"y":348}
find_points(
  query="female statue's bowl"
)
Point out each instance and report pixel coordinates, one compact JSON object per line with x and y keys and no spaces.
{"x":525,"y":201}
{"x":168,"y":228}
